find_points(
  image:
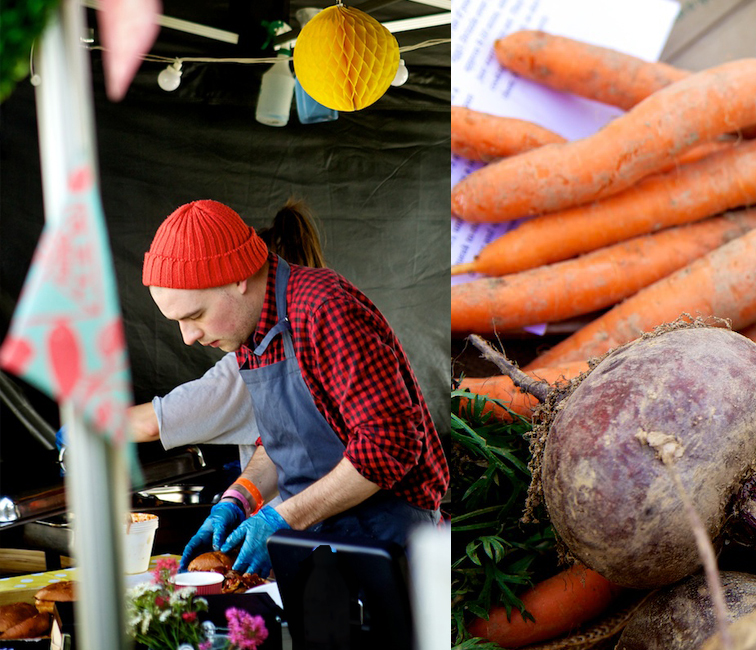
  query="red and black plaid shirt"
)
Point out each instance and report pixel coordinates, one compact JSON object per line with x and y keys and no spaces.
{"x":360,"y":380}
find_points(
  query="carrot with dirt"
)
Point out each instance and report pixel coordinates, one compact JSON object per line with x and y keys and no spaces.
{"x":558,"y":605}
{"x":599,"y":73}
{"x":587,"y":283}
{"x":515,"y":399}
{"x":716,"y":183}
{"x":484,"y":137}
{"x":721,"y":284}
{"x":638,"y":143}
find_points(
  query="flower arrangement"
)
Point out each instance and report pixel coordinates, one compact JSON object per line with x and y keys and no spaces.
{"x":165,"y":617}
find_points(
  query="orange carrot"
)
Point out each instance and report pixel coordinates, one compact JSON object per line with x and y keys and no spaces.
{"x":722,"y":284}
{"x":554,"y":177}
{"x":587,"y":283}
{"x":694,"y":191}
{"x":480,"y":136}
{"x":558,"y":604}
{"x":749,"y":331}
{"x":501,"y":388}
{"x":587,"y":70}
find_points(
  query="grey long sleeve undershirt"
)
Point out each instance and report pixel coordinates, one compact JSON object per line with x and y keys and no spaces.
{"x":214,"y":409}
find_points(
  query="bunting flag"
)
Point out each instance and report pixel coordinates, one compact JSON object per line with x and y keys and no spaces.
{"x":128,"y":29}
{"x":66,"y":337}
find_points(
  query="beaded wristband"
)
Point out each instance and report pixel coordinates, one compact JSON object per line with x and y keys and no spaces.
{"x":253,"y":492}
{"x":235,"y":494}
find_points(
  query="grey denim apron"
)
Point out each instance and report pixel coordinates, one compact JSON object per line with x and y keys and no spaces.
{"x":304,"y":447}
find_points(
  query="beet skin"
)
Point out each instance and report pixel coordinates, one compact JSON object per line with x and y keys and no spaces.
{"x":610,"y":498}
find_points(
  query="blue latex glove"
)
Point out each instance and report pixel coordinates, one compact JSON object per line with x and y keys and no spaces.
{"x":253,"y":555}
{"x":223,"y":518}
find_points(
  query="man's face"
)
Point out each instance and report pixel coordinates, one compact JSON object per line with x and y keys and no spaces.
{"x":219,"y":317}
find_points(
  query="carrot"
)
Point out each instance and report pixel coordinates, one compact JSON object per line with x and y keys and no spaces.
{"x":749,"y":331}
{"x":587,"y":283}
{"x":583,"y":69}
{"x":484,"y":137}
{"x":722,"y":284}
{"x":638,"y":143}
{"x":558,"y":604}
{"x":694,"y":191}
{"x":501,"y":388}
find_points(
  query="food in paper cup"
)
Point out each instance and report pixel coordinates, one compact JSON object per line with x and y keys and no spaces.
{"x":140,"y":537}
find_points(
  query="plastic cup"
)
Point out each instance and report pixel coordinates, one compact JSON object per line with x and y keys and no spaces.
{"x":140,"y":537}
{"x":205,"y":582}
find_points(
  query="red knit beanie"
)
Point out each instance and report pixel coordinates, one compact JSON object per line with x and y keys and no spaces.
{"x":203,"y":244}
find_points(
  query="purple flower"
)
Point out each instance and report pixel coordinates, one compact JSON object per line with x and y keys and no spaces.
{"x":245,"y":631}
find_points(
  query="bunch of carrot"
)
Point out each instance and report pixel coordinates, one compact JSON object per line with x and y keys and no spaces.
{"x":647,"y":218}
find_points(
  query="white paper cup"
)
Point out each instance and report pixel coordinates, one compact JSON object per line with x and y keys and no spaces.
{"x":140,"y":537}
{"x":205,"y":582}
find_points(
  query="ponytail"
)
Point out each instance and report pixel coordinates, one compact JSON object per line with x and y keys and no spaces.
{"x":294,"y":236}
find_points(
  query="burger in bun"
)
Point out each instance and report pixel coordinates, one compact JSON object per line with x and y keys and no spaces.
{"x":234,"y":581}
{"x":56,"y":592}
{"x":212,"y":561}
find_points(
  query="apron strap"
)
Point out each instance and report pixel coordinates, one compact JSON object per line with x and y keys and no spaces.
{"x":283,"y":325}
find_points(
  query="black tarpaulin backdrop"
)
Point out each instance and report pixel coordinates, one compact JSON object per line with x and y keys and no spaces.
{"x":377,"y":181}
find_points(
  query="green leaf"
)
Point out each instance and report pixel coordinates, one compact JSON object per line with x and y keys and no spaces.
{"x":493,"y":553}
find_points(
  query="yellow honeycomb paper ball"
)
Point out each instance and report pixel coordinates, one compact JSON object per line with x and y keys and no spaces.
{"x":345,"y":59}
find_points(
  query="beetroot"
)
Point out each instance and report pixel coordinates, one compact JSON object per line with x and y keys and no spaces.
{"x":681,"y":616}
{"x":612,"y":501}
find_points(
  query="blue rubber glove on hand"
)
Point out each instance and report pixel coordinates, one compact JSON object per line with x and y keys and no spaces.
{"x":223,"y":518}
{"x":253,"y":556}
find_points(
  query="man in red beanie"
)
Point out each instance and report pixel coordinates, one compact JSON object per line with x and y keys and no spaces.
{"x":343,"y":434}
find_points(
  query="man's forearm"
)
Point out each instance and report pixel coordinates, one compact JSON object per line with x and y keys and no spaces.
{"x":262,"y":472}
{"x":143,"y":422}
{"x":342,"y":488}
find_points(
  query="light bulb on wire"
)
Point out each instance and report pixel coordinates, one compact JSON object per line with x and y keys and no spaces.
{"x":402,"y":74}
{"x":170,"y":78}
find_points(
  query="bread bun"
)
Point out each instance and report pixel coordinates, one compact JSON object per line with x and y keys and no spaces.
{"x":13,"y":613}
{"x":30,"y":628}
{"x":212,"y":561}
{"x":56,"y":592}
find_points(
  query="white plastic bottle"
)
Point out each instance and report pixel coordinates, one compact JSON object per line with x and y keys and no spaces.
{"x":276,"y":93}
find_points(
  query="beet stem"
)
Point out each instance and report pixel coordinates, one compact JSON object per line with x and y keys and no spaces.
{"x":668,"y":449}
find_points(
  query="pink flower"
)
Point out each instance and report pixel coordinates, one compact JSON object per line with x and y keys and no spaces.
{"x":206,"y":645}
{"x":189,"y":616}
{"x":159,"y":601}
{"x":245,"y":631}
{"x":165,"y":568}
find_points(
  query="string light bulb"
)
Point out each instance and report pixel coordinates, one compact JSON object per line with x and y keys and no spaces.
{"x":402,"y":74}
{"x":170,"y":78}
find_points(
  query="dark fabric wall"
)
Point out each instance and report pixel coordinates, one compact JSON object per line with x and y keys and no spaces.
{"x":377,"y":181}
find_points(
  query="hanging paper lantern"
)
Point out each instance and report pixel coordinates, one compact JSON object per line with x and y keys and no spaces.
{"x":345,"y":59}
